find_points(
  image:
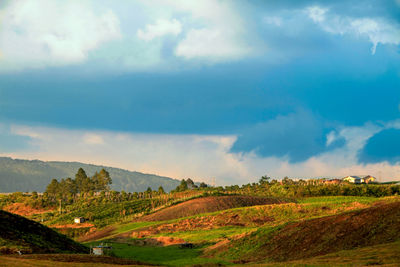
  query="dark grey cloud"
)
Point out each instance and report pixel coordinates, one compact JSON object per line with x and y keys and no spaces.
{"x":298,"y":136}
{"x":384,"y":146}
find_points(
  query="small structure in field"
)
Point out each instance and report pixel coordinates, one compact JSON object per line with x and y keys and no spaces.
{"x":79,"y":220}
{"x":353,"y":179}
{"x":101,"y":250}
{"x":359,"y":180}
{"x":369,"y":179}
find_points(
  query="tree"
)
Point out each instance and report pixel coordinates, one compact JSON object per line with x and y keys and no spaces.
{"x":81,"y":181}
{"x":190,"y":183}
{"x":182,"y":187}
{"x":161,"y":190}
{"x":203,"y":185}
{"x":102,"y":180}
{"x":34,"y":195}
{"x":53,"y":189}
{"x":264,"y":179}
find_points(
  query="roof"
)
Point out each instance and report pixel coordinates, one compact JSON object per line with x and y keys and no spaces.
{"x":102,"y":247}
{"x":353,"y":176}
{"x":369,"y":176}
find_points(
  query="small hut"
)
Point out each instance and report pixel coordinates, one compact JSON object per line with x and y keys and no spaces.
{"x":79,"y":220}
{"x":101,"y":250}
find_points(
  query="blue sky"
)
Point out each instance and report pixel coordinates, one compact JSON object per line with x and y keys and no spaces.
{"x":297,"y":88}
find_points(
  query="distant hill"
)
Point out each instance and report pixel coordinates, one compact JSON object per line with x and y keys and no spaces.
{"x":19,"y":233}
{"x":35,"y":175}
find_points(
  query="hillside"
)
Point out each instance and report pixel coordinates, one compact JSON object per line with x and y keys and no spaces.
{"x":35,"y":175}
{"x":208,"y":204}
{"x":19,"y":233}
{"x":319,"y":236}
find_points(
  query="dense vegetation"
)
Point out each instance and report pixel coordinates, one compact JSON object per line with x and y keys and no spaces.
{"x":19,"y":233}
{"x":35,"y":175}
{"x":313,"y":187}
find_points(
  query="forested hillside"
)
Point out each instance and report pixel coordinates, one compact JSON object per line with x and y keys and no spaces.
{"x":35,"y":175}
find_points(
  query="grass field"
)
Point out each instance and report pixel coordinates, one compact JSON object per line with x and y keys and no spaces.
{"x":166,"y":256}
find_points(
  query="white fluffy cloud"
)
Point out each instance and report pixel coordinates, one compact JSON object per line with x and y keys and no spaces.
{"x":211,"y":44}
{"x":44,"y":33}
{"x":377,"y":30}
{"x":213,"y":30}
{"x":160,"y":28}
{"x":51,"y":33}
{"x":317,"y":14}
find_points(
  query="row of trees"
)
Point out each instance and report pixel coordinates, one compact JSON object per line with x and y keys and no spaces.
{"x":188,"y":184}
{"x":82,"y":184}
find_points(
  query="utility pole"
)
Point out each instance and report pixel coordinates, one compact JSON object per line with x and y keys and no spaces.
{"x":60,"y":206}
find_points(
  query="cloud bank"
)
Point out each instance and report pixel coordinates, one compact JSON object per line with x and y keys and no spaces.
{"x":201,"y":157}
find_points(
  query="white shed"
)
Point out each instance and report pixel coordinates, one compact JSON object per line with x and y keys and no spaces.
{"x":79,"y":220}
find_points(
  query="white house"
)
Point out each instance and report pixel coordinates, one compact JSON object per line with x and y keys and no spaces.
{"x":353,"y":179}
{"x":359,"y":180}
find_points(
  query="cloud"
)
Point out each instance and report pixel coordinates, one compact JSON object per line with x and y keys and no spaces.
{"x":201,"y":157}
{"x":215,"y":31}
{"x":384,"y":146}
{"x":212,"y":44}
{"x":377,"y":30}
{"x":273,"y":20}
{"x":295,"y":137}
{"x":317,"y":14}
{"x":179,"y":156}
{"x":160,"y":28}
{"x":52,"y":33}
{"x":93,"y":139}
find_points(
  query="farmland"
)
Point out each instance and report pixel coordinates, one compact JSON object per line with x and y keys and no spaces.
{"x":263,"y":224}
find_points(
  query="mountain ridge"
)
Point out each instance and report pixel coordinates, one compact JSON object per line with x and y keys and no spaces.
{"x":33,"y":175}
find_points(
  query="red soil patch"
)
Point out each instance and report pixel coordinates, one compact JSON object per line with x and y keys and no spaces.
{"x":304,"y":239}
{"x":24,"y":210}
{"x":72,"y":225}
{"x":208,"y":204}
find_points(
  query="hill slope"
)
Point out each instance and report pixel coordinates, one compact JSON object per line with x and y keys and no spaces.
{"x":34,"y":175}
{"x":208,"y":204}
{"x":19,"y":233}
{"x":304,"y":239}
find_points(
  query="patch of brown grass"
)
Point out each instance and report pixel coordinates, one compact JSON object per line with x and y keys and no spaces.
{"x":24,"y":210}
{"x":208,"y":204}
{"x":95,"y":235}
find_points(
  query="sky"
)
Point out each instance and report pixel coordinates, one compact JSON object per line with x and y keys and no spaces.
{"x":210,"y":89}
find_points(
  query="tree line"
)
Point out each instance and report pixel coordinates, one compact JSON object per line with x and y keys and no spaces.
{"x":82,"y":184}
